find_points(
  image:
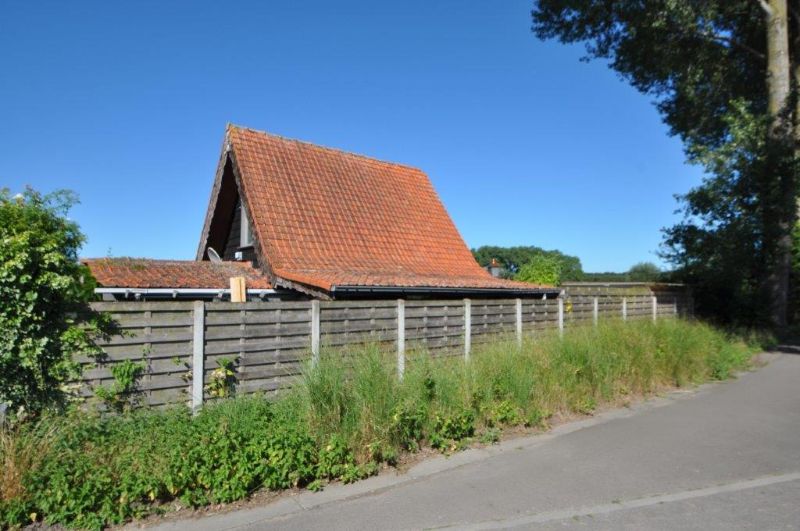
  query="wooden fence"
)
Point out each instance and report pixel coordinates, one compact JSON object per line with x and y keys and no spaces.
{"x":181,"y":343}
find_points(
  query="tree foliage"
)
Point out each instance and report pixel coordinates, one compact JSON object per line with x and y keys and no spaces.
{"x":705,"y":63}
{"x":44,"y":318}
{"x":542,"y":269}
{"x":644,"y":272}
{"x":514,"y":258}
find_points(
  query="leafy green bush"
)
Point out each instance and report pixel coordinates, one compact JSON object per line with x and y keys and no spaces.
{"x":542,"y":269}
{"x":123,"y":393}
{"x":345,"y":417}
{"x":503,"y":413}
{"x":449,"y":429}
{"x":222,"y":380}
{"x":408,"y":424}
{"x":44,"y":318}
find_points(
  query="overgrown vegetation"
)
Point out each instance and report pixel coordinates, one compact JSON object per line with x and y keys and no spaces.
{"x":44,"y":318}
{"x":346,"y":417}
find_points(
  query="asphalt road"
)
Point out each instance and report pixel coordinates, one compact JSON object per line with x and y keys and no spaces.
{"x":725,"y":456}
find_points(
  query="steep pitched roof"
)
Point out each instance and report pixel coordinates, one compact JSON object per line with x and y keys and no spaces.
{"x":148,"y":273}
{"x":326,"y":218}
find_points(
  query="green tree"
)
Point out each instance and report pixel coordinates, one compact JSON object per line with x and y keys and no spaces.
{"x":542,"y":269}
{"x":721,"y":74}
{"x":644,"y":272}
{"x":513,"y":258}
{"x":44,"y":318}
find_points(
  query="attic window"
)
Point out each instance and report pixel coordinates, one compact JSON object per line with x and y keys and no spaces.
{"x":245,"y":238}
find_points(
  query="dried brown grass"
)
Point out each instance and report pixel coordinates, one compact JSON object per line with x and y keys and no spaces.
{"x":20,"y":452}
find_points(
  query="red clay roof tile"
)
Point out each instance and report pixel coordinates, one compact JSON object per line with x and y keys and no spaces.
{"x":147,"y":273}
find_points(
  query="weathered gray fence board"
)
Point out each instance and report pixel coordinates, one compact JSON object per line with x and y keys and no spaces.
{"x":139,"y":307}
{"x":272,"y":343}
{"x":252,"y":318}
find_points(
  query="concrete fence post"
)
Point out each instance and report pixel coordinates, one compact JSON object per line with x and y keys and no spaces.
{"x":314,"y":333}
{"x":560,"y":317}
{"x":654,"y":302}
{"x":595,"y":311}
{"x":675,"y":306}
{"x":624,"y":308}
{"x":467,"y":327}
{"x":198,"y":354}
{"x":519,"y":322}
{"x":401,"y":338}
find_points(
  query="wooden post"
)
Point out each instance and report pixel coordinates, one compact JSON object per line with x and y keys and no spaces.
{"x":624,"y":308}
{"x":314,"y":333}
{"x":519,"y":322}
{"x":238,"y":289}
{"x":595,"y":311}
{"x":467,"y":327}
{"x":654,"y":302}
{"x":401,"y":338}
{"x":560,"y":317}
{"x":198,"y":354}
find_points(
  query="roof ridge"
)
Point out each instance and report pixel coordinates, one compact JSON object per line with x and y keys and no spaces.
{"x":325,"y":148}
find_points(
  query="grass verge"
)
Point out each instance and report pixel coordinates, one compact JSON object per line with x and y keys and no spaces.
{"x":346,"y":417}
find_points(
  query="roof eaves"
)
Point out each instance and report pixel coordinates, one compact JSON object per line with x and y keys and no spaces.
{"x":441,"y":289}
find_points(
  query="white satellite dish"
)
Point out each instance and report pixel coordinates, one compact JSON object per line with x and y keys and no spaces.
{"x":213,"y":255}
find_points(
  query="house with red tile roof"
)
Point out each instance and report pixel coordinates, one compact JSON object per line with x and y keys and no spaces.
{"x":302,"y":220}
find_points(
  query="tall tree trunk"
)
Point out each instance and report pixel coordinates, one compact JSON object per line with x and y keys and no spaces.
{"x":779,"y":219}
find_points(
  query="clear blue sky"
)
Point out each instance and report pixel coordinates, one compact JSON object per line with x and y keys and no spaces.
{"x":127,"y":105}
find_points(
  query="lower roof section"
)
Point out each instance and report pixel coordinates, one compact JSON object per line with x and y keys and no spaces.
{"x":147,"y":273}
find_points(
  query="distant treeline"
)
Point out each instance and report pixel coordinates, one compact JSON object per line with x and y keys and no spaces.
{"x":534,"y":264}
